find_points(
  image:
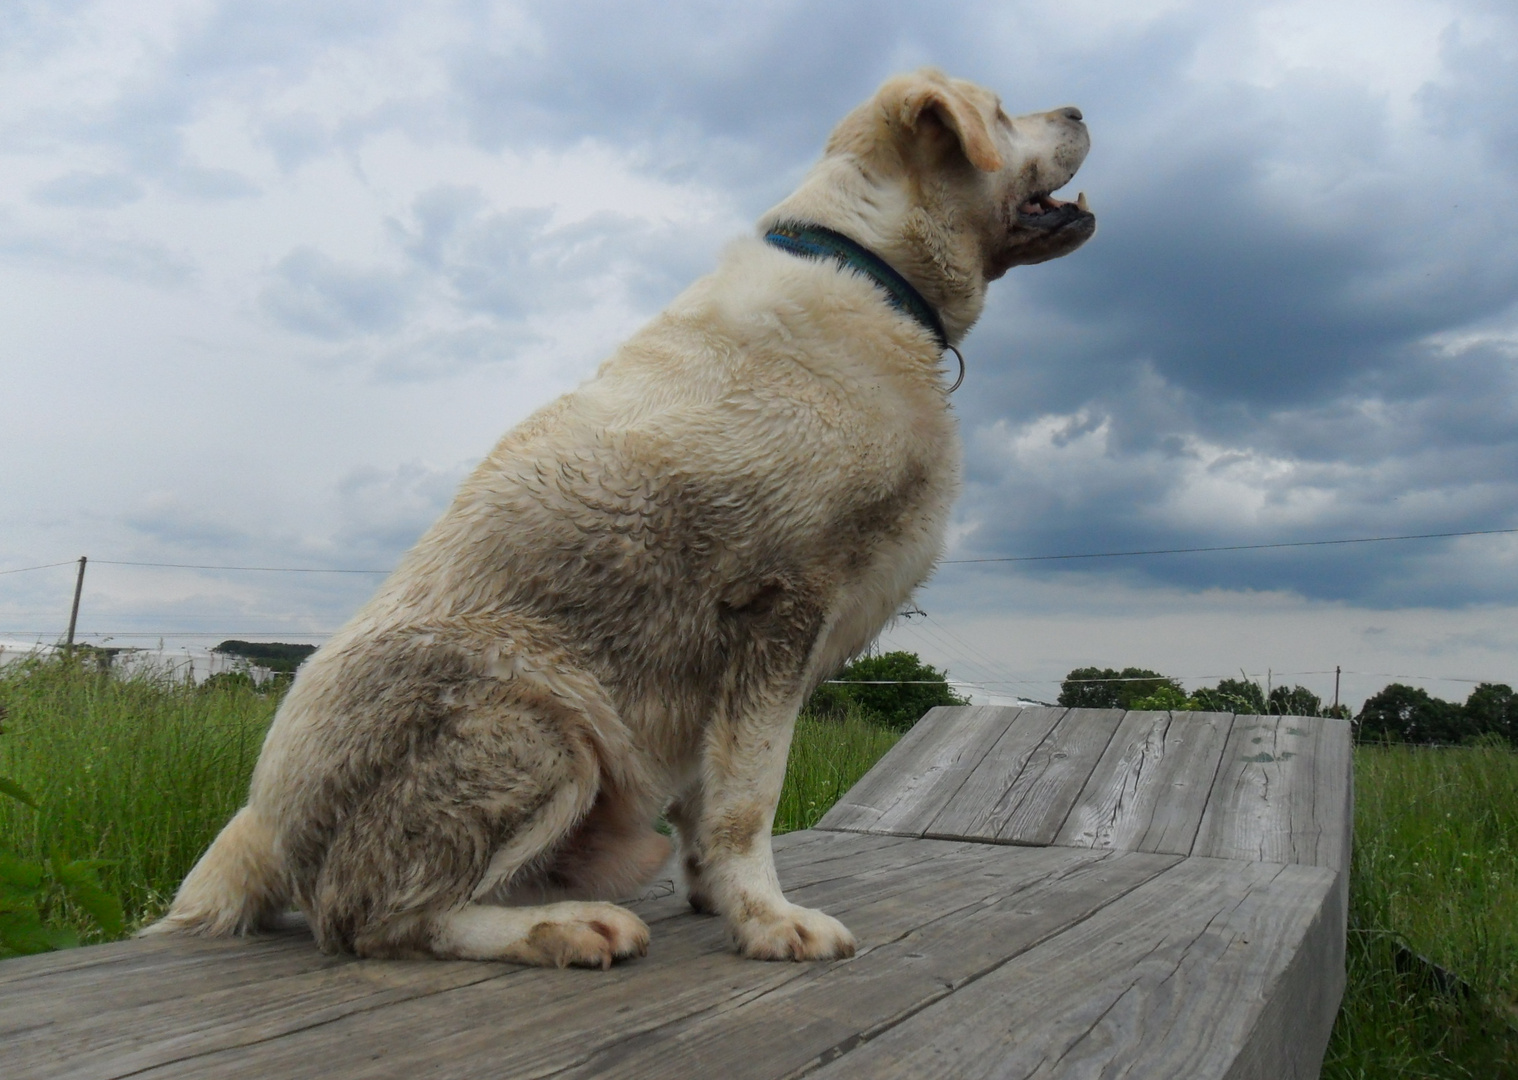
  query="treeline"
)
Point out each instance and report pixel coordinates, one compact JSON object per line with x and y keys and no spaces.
{"x":893,"y":689}
{"x":278,"y":656}
{"x":1398,"y":713}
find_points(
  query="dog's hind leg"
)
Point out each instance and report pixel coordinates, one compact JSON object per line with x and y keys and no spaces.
{"x":504,"y":778}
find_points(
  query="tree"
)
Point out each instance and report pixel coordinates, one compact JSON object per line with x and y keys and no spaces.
{"x":277,"y":656}
{"x":1104,"y":688}
{"x":1166,"y":699}
{"x":1492,"y":709}
{"x":896,"y":688}
{"x":1401,"y":713}
{"x":1233,"y":695}
{"x":1298,"y":701}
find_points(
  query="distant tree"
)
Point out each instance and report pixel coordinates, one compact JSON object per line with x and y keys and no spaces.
{"x":277,"y":656}
{"x":1166,"y":699}
{"x":229,"y":681}
{"x":1233,"y":695}
{"x":1105,"y":688}
{"x":1403,"y":713}
{"x":1492,"y":709}
{"x":1298,"y":701}
{"x":896,"y":688}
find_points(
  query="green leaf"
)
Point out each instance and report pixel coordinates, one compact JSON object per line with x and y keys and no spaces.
{"x":82,"y":887}
{"x":22,"y":934}
{"x":16,"y":791}
{"x":19,"y":874}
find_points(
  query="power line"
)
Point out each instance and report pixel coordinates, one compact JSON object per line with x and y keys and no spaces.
{"x":1229,"y":547}
{"x":265,"y":569}
{"x":945,"y":562}
{"x":174,"y":633}
{"x":44,"y":566}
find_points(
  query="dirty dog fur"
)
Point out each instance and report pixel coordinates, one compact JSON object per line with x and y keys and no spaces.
{"x":628,"y":601}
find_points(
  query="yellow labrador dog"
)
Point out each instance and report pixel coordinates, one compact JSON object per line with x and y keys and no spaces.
{"x":630,"y":599}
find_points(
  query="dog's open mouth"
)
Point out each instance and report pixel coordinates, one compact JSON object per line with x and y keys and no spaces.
{"x":1047,"y":212}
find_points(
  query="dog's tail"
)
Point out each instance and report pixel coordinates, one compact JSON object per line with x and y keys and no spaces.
{"x":237,"y":886}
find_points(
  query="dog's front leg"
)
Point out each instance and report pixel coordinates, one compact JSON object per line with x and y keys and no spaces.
{"x":730,"y":867}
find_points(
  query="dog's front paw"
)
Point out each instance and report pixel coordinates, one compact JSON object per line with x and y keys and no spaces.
{"x":792,"y":933}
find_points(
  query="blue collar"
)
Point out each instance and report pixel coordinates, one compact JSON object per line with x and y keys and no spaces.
{"x":817,"y":242}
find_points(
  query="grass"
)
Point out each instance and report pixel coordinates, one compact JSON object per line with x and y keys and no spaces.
{"x":141,"y":771}
{"x":146,"y":771}
{"x":1433,"y":944}
{"x":827,"y":758}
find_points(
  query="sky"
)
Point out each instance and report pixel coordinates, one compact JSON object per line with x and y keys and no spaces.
{"x":274,"y":276}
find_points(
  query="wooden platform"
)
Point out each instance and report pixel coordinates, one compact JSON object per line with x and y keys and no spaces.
{"x":1036,"y":893}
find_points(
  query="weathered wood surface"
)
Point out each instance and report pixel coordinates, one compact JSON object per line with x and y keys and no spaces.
{"x":1116,"y":949}
{"x":1257,"y":788}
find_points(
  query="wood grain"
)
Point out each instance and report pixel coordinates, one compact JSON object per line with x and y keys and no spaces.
{"x":1283,"y":793}
{"x":547,"y":1021}
{"x":913,"y":782}
{"x":1150,"y":788}
{"x":1169,"y":980}
{"x":971,"y":813}
{"x":1034,"y":808}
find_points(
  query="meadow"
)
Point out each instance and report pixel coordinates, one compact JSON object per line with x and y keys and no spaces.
{"x":142,"y":772}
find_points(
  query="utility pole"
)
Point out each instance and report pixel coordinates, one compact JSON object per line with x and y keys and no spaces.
{"x":1336,"y":689}
{"x":74,"y":615}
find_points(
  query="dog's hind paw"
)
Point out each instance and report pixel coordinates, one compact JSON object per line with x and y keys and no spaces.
{"x":793,"y":933}
{"x":591,"y":935}
{"x":572,"y":933}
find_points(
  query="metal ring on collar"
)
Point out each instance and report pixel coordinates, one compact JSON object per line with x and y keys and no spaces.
{"x":961,"y":378}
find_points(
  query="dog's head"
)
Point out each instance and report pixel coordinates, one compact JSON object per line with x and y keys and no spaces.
{"x":939,"y":180}
{"x":965,"y":159}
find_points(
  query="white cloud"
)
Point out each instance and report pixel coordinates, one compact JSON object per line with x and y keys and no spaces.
{"x":272,"y":275}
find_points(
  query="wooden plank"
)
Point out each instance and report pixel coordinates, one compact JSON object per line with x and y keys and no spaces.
{"x":1034,"y":808}
{"x":183,"y":997}
{"x":904,"y":792}
{"x":860,"y":807}
{"x":1291,"y":1034}
{"x":815,"y":1018}
{"x":1171,"y":980}
{"x":970,"y":814}
{"x":1149,"y":790}
{"x":552,"y":1021}
{"x":1283,"y":793}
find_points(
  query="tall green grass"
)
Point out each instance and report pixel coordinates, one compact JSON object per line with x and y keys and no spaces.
{"x":1433,"y":943}
{"x":142,"y":771}
{"x":828,"y":756}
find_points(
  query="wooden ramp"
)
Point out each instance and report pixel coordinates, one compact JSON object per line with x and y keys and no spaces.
{"x":1036,"y":893}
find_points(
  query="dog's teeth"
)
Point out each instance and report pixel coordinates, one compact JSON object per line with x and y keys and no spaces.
{"x":1080,"y":203}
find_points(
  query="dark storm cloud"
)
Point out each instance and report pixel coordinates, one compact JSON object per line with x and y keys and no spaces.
{"x":1255,"y":327}
{"x":1298,"y":319}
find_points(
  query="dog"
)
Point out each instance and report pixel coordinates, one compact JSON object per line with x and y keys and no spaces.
{"x":628,"y":602}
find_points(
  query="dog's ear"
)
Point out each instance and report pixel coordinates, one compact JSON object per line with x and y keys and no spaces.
{"x":926,"y":99}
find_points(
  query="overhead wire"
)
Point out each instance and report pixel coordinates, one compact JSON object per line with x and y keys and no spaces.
{"x":44,"y":566}
{"x":1227,"y":547}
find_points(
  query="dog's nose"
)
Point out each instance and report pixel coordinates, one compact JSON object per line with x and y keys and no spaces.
{"x":1070,"y":112}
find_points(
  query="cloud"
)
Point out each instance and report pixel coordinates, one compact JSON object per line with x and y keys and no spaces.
{"x":93,"y":190}
{"x":420,"y":221}
{"x":313,"y":294}
{"x":91,"y":250}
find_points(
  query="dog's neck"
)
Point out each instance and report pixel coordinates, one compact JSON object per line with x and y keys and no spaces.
{"x":817,"y":242}
{"x":885,"y":213}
